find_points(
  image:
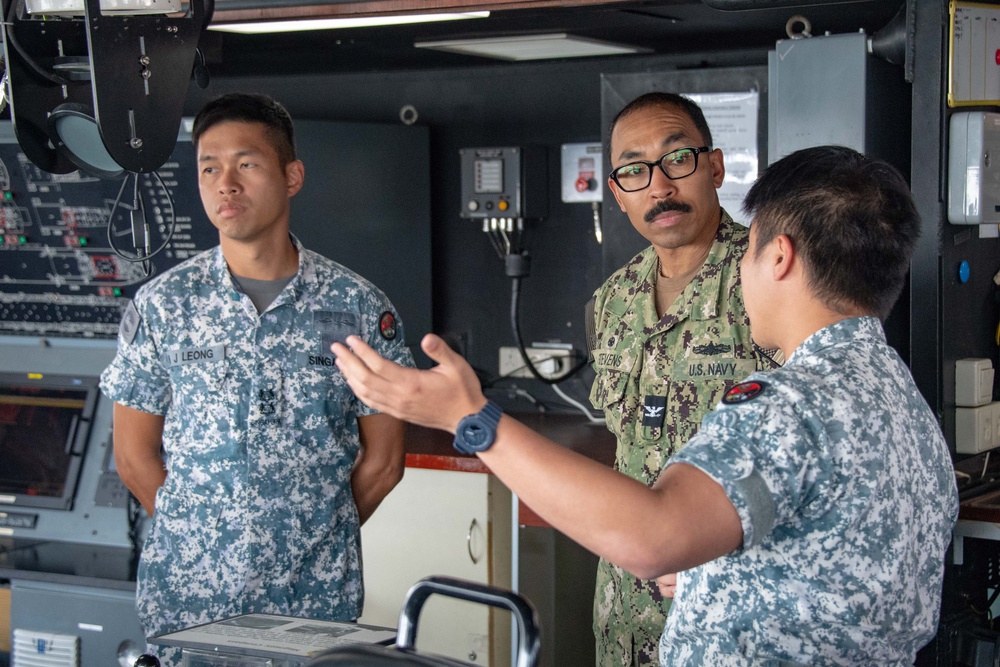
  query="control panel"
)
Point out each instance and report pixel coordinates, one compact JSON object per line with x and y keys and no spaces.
{"x":58,"y":479}
{"x":506,"y":182}
{"x":58,"y":273}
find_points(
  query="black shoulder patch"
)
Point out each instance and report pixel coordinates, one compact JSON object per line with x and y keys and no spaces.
{"x":743,"y":392}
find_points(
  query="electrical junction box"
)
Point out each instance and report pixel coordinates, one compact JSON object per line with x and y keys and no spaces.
{"x":974,"y":168}
{"x":977,"y":429}
{"x":504,"y":183}
{"x":582,"y":173}
{"x":973,"y":382}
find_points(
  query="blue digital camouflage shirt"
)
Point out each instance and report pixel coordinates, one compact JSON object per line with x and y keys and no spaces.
{"x":846,"y":492}
{"x":260,"y":439}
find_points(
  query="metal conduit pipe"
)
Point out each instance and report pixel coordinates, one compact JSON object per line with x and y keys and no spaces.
{"x":888,"y":43}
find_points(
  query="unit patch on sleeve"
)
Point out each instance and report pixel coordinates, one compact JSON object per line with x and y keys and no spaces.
{"x":129,"y":324}
{"x":387,"y":325}
{"x":654,"y":410}
{"x":743,"y":392}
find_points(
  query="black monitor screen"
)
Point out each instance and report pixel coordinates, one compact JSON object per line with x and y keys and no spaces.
{"x":43,"y":431}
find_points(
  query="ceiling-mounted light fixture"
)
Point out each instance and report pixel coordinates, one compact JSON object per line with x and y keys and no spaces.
{"x":259,"y":27}
{"x":121,"y":7}
{"x":75,"y":134}
{"x":104,"y":91}
{"x":532,"y":47}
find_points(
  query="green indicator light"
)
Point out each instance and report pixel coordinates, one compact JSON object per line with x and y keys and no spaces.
{"x":8,"y":196}
{"x":22,"y":239}
{"x":116,"y":291}
{"x":82,"y":240}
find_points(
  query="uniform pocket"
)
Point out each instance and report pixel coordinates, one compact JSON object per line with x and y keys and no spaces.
{"x":193,"y":369}
{"x":610,"y":393}
{"x":319,"y":408}
{"x":200,"y":415}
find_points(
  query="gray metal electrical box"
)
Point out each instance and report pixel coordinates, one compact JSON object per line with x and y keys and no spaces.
{"x":974,"y":168}
{"x":830,"y":90}
{"x":504,"y":182}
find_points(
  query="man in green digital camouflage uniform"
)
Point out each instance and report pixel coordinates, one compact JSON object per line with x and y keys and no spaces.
{"x":671,"y":333}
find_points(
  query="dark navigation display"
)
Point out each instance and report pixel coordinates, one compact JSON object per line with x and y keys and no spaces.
{"x":58,"y":274}
{"x":44,"y":426}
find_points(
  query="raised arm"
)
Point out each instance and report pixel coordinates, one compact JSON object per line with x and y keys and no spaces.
{"x":686,"y":519}
{"x":138,"y":437}
{"x":380,"y":466}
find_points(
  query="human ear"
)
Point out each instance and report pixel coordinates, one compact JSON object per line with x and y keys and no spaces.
{"x":783,"y":256}
{"x":295,"y":174}
{"x":617,"y":193}
{"x":718,"y":165}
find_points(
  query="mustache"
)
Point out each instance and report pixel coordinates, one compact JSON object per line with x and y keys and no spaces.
{"x":665,"y":205}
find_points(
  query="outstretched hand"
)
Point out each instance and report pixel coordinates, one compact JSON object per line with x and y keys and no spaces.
{"x":436,"y":398}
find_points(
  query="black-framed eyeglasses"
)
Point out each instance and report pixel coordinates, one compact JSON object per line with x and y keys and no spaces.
{"x":676,"y":164}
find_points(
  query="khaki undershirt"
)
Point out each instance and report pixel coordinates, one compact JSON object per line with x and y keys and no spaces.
{"x":668,"y":289}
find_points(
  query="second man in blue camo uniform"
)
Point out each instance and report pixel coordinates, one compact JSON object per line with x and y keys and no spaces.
{"x":269,"y":463}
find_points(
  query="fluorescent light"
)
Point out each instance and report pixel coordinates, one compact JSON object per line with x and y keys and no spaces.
{"x":257,"y":27}
{"x":531,"y":47}
{"x":75,"y":7}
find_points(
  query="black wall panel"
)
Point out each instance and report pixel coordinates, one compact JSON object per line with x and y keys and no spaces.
{"x":545,"y":104}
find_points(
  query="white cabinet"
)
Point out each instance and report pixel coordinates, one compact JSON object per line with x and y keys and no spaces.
{"x":449,"y":523}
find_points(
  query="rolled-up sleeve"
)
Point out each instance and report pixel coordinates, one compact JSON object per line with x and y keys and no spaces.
{"x":136,"y":378}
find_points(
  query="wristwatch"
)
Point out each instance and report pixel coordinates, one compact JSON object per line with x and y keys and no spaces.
{"x":476,"y":432}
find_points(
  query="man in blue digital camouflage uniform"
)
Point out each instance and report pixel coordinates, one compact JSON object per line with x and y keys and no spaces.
{"x":269,"y":463}
{"x":808,"y":519}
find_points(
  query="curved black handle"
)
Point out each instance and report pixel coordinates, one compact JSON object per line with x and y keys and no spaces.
{"x":529,"y":643}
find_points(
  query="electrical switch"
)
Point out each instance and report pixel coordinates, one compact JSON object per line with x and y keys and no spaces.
{"x":975,"y":430}
{"x":973,"y":382}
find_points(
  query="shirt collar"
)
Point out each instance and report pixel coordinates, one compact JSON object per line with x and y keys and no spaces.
{"x":851,"y":330}
{"x":305,"y":277}
{"x":704,"y":304}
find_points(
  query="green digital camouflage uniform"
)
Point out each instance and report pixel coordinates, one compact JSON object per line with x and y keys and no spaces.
{"x":656,"y":379}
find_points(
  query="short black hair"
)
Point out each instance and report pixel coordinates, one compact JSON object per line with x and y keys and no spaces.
{"x":850,"y":218}
{"x":660,"y":99}
{"x":250,"y":108}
